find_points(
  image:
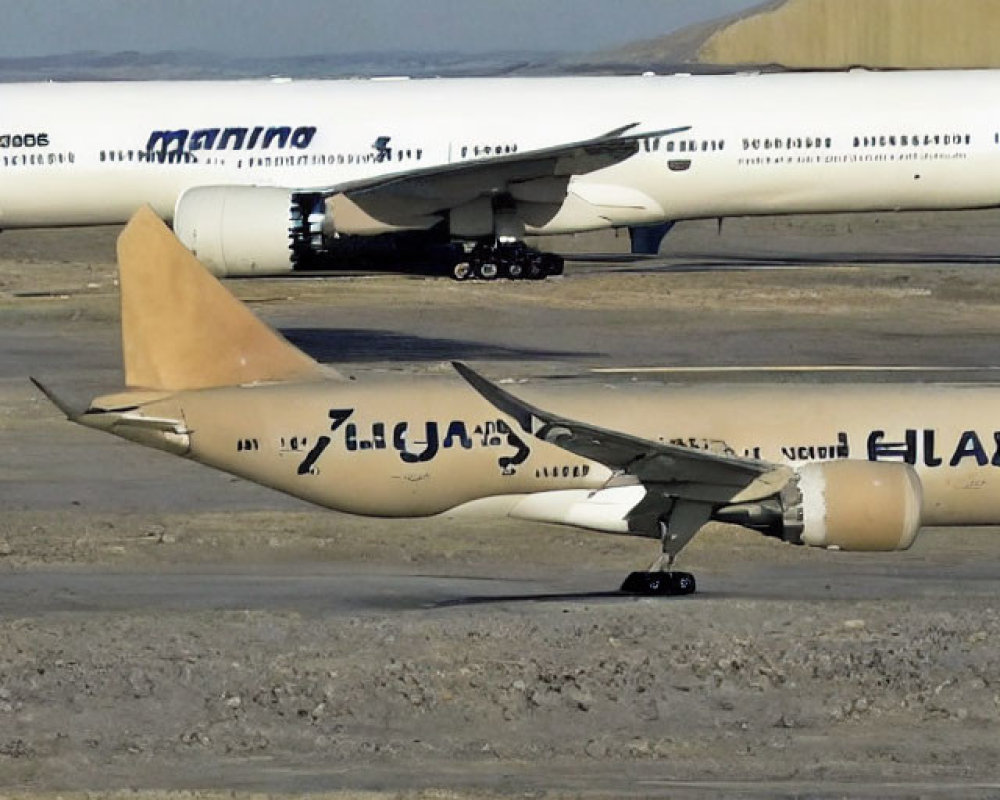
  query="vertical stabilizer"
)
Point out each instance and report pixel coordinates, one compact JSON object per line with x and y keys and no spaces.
{"x":181,"y":329}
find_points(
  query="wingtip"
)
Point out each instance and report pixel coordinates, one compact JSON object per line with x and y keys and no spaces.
{"x":64,"y":406}
{"x":474,"y":379}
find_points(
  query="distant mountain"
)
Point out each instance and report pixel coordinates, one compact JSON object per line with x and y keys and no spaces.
{"x":200,"y":65}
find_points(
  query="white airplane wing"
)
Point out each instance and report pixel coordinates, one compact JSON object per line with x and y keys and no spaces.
{"x":535,"y":175}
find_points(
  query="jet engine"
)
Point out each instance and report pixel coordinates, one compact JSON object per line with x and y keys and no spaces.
{"x":846,"y":505}
{"x":250,"y":230}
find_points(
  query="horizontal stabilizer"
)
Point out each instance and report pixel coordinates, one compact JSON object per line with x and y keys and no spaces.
{"x":72,"y":412}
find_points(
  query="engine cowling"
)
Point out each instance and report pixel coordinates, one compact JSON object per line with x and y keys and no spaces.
{"x":855,"y":505}
{"x":249,"y":230}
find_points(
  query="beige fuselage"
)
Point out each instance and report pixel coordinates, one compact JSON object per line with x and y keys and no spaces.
{"x":425,"y":446}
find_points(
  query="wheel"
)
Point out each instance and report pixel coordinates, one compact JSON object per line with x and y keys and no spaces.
{"x":535,"y":268}
{"x":515,"y":269}
{"x":553,"y":264}
{"x":682,"y":582}
{"x":487,"y":270}
{"x":461,"y":270}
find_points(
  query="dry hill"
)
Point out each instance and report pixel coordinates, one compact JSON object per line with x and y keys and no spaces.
{"x":836,"y":34}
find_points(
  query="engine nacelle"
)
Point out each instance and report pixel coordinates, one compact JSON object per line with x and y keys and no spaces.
{"x":855,"y":505}
{"x":249,"y":230}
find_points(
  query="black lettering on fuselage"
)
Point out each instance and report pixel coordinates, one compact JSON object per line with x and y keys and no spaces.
{"x":932,"y":450}
{"x":905,"y":451}
{"x":16,"y":140}
{"x":969,"y":446}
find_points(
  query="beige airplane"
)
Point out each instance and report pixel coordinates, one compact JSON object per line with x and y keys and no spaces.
{"x":858,"y":467}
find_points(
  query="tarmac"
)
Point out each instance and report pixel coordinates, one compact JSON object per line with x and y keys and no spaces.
{"x":169,"y":629}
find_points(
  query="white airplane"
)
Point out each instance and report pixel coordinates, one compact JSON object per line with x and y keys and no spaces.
{"x":270,"y":176}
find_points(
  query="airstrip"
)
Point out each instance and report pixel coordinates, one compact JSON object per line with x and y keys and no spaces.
{"x":164,"y":627}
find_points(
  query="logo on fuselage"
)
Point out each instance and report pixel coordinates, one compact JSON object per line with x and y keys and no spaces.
{"x":171,"y":144}
{"x":379,"y":435}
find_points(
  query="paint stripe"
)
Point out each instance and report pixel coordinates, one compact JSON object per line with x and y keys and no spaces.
{"x":789,"y":368}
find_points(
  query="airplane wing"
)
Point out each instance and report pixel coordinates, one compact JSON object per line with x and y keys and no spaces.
{"x":684,"y":485}
{"x":540,"y":175}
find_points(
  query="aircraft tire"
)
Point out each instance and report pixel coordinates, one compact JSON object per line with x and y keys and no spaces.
{"x":461,"y":270}
{"x":516,"y":270}
{"x":535,"y":269}
{"x":487,"y":270}
{"x":553,"y":264}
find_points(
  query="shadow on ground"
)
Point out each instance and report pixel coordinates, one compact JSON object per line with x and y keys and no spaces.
{"x":348,"y":345}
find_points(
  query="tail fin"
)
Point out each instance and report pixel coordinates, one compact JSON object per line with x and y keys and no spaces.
{"x":182,"y":330}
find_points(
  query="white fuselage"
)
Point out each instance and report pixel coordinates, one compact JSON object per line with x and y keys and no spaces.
{"x":76,"y":153}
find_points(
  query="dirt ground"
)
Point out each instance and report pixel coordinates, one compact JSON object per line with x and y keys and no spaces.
{"x":169,"y":631}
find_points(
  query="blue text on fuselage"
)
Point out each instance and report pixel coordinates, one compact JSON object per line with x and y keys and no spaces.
{"x":278,"y":137}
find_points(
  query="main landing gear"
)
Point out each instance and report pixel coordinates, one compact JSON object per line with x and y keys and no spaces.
{"x":660,"y":582}
{"x":513,"y":260}
{"x":675,"y":531}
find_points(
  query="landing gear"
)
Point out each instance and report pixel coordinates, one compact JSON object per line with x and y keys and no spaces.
{"x":676,"y":528}
{"x":659,"y":583}
{"x":488,"y":261}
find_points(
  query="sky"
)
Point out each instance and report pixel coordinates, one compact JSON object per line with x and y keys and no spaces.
{"x":307,"y":27}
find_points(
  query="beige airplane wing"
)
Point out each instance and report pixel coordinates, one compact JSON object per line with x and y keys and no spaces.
{"x":684,"y":485}
{"x":534,"y":176}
